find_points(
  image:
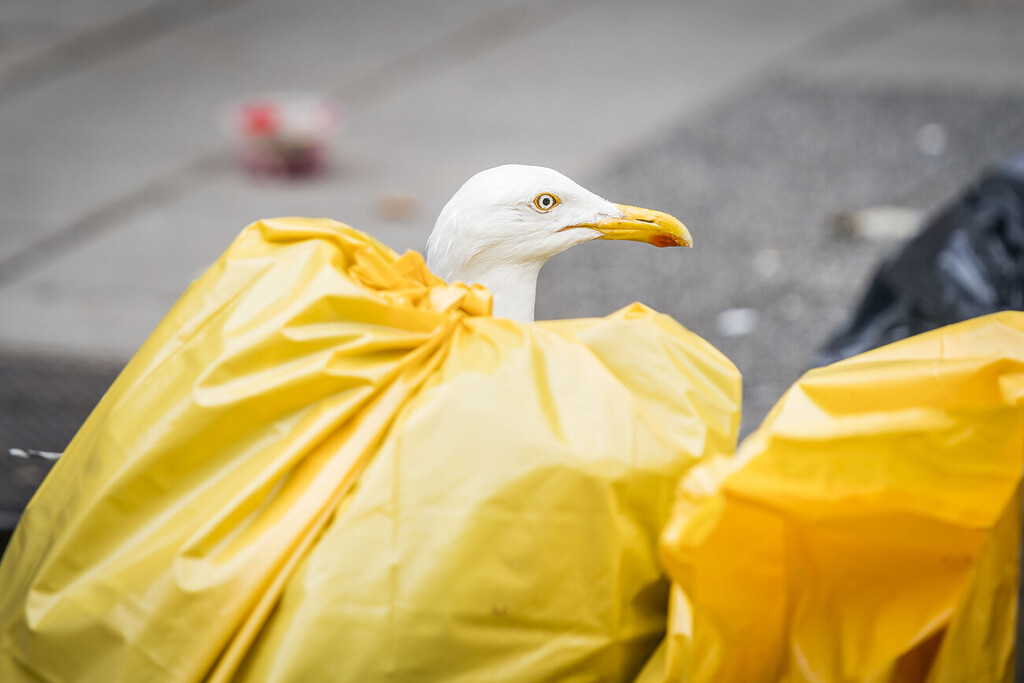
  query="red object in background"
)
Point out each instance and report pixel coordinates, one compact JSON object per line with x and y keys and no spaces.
{"x":260,"y":118}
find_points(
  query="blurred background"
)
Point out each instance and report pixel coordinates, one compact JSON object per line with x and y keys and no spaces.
{"x":759,"y":123}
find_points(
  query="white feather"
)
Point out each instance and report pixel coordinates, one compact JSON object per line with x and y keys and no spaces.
{"x":491,"y":232}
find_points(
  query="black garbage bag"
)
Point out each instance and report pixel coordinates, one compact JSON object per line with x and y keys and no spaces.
{"x":967,"y":261}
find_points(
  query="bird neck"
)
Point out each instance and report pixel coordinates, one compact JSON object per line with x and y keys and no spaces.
{"x":514,"y":288}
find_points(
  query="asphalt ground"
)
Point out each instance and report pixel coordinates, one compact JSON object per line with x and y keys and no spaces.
{"x":757,"y":179}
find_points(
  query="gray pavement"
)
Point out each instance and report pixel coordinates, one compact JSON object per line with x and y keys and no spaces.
{"x":751,"y":121}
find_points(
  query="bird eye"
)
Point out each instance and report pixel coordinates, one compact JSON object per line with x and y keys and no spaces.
{"x":546,"y":201}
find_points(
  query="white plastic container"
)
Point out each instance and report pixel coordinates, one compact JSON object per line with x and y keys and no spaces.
{"x":285,"y":134}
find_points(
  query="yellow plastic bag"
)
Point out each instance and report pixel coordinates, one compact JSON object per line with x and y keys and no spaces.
{"x":326,"y":464}
{"x":868,"y":531}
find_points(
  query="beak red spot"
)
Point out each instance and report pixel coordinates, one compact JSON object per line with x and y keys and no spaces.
{"x":667,"y":241}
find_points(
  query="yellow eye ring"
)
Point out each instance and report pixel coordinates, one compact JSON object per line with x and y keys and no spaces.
{"x":546,"y":201}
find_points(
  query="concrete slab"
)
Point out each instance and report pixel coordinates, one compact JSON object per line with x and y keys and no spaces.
{"x":80,"y":14}
{"x":576,"y":92}
{"x":19,"y":232}
{"x":57,"y":177}
{"x":965,"y":44}
{"x":43,"y":40}
{"x":23,"y":40}
{"x":104,"y":298}
{"x":78,"y":143}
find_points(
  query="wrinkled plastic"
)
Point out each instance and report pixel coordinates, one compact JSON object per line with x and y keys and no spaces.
{"x":326,"y":464}
{"x":868,"y":531}
{"x":967,"y":261}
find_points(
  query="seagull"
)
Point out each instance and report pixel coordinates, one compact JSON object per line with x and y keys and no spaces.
{"x":504,"y":223}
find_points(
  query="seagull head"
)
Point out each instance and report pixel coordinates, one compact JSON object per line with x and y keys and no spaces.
{"x":504,"y":223}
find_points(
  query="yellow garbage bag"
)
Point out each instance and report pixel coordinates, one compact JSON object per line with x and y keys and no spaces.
{"x":868,"y":531}
{"x":326,"y":464}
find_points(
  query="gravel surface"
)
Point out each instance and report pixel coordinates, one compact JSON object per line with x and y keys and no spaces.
{"x":43,"y":402}
{"x":756,"y":179}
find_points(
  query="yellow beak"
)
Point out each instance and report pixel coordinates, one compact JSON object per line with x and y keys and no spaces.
{"x":642,"y":225}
